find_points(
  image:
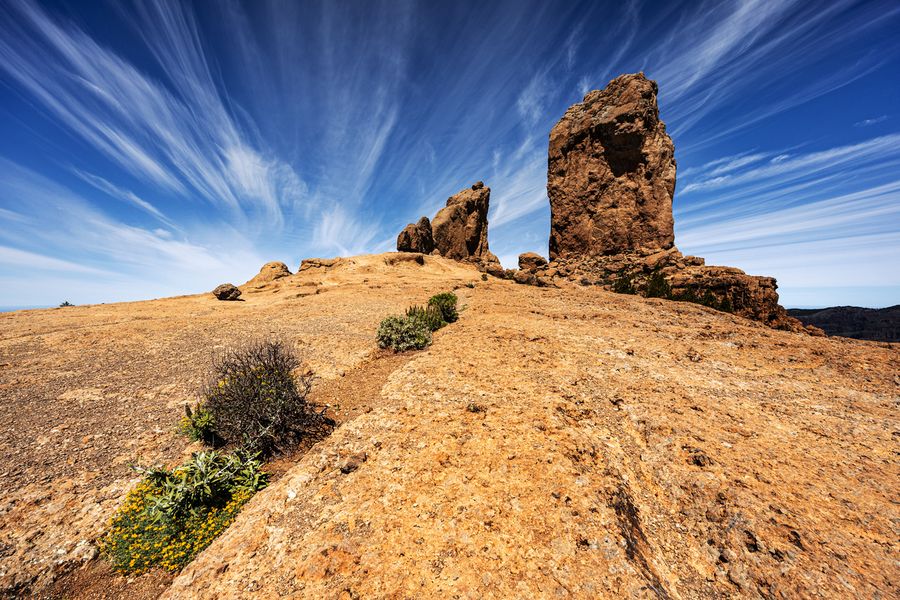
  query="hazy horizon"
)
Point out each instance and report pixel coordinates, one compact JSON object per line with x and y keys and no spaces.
{"x":156,"y":149}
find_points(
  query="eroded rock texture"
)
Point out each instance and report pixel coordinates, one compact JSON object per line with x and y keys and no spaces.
{"x":611,"y":180}
{"x":416,"y":237}
{"x":458,"y":231}
{"x":460,"y":228}
{"x":226,"y":291}
{"x":611,"y":173}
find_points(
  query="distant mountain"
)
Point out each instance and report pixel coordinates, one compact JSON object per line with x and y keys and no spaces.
{"x":879,"y":324}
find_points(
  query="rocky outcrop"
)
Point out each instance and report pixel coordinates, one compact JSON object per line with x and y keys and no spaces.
{"x":458,"y":231}
{"x":529,"y":261}
{"x":226,"y":291}
{"x":611,"y":180}
{"x":460,"y":228}
{"x":416,"y":237}
{"x":611,"y":173}
{"x":318,"y":263}
{"x":271,"y":271}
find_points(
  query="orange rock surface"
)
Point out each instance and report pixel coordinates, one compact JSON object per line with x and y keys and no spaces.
{"x":554,"y":442}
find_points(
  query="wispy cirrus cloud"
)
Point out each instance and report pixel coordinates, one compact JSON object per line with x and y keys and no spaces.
{"x":296,"y":129}
{"x":180,"y":137}
{"x":872,"y":121}
{"x":56,"y":222}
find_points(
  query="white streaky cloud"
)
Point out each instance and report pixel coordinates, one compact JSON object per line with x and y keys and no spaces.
{"x":180,"y":138}
{"x":864,"y":212}
{"x":59,"y":223}
{"x":723,"y":53}
{"x":702,"y":49}
{"x":339,"y":231}
{"x":801,"y":165}
{"x":125,"y":195}
{"x":31,"y":261}
{"x":872,"y":121}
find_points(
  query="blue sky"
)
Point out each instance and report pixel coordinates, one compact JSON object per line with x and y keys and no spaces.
{"x":158,"y":149}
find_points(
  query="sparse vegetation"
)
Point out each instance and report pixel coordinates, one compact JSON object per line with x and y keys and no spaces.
{"x":657,"y":286}
{"x":198,"y":425}
{"x":484,"y":277}
{"x":257,"y":402}
{"x":431,"y":315}
{"x":412,"y":331}
{"x":402,"y":333}
{"x":173,"y":515}
{"x":624,"y":284}
{"x":66,"y":303}
{"x":446,"y":302}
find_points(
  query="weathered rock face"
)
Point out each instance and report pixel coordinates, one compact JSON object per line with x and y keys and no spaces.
{"x":269,"y":272}
{"x":460,"y":228}
{"x":227,"y":291}
{"x":611,"y":173}
{"x":611,"y":180}
{"x":416,"y":237}
{"x":529,"y":261}
{"x":458,"y":231}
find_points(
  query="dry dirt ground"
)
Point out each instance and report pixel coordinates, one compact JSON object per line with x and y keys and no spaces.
{"x":552,"y":443}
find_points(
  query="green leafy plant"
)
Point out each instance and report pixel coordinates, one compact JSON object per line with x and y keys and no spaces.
{"x":657,"y":286}
{"x":624,"y":284}
{"x":725,"y":305}
{"x":256,"y":400}
{"x":170,"y":516}
{"x":198,"y":425}
{"x":446,"y":302}
{"x":65,"y":304}
{"x":402,"y":333}
{"x":430,"y":315}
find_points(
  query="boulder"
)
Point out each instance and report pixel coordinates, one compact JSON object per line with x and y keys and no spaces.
{"x":226,"y":291}
{"x":530,"y":261}
{"x":269,"y":272}
{"x":416,"y":237}
{"x":611,"y":173}
{"x":460,"y":228}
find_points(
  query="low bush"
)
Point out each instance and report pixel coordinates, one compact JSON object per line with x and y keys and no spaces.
{"x":170,"y":516}
{"x":198,"y":425}
{"x":657,"y":286}
{"x":446,"y":302}
{"x":430,"y":315}
{"x":403,"y":333}
{"x":624,"y":285}
{"x":257,"y":402}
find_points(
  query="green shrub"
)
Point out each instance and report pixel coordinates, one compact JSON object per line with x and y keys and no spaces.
{"x":65,"y":304}
{"x":403,"y":333}
{"x":657,"y":286}
{"x":198,"y":425}
{"x":484,"y":277}
{"x":173,"y":515}
{"x":624,"y":284}
{"x":430,"y":315}
{"x":257,"y":402}
{"x":446,"y":302}
{"x":725,"y":305}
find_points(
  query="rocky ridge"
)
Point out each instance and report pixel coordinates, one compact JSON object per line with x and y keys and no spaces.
{"x":458,"y":231}
{"x":611,"y":182}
